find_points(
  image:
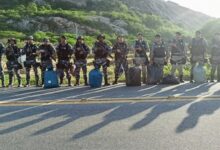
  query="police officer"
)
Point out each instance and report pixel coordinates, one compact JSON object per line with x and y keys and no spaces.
{"x":215,"y":57}
{"x":120,"y":49}
{"x":197,"y":48}
{"x":159,"y":54}
{"x":2,"y":77}
{"x":178,"y":55}
{"x":64,"y":53}
{"x":102,"y":51}
{"x":12,"y":53}
{"x":141,"y":58}
{"x":81,"y":51}
{"x":47,"y":53}
{"x":30,"y":50}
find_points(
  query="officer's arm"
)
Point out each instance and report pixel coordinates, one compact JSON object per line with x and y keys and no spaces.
{"x":53,"y":53}
{"x":87,"y":50}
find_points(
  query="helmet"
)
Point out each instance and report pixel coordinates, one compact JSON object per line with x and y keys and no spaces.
{"x":80,"y":38}
{"x":100,"y":36}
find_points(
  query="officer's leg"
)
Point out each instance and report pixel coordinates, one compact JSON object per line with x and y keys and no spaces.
{"x":144,"y":73}
{"x":218,"y":74}
{"x":117,"y":69}
{"x":105,"y":72}
{"x":61,"y":75}
{"x":36,"y":76}
{"x":18,"y":75}
{"x":77,"y":74}
{"x":191,"y":72}
{"x":173,"y":69}
{"x":84,"y":69}
{"x":2,"y":76}
{"x":28,"y":69}
{"x":43,"y":69}
{"x":68,"y":76}
{"x":180,"y":69}
{"x":213,"y":70}
{"x":10,"y":74}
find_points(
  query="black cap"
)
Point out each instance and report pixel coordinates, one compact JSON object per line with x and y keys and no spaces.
{"x":63,"y":37}
{"x":157,"y":36}
{"x":12,"y":39}
{"x":100,"y":36}
{"x":30,"y":38}
{"x":139,"y":34}
{"x":80,"y":38}
{"x":198,"y":32}
{"x":46,"y":40}
{"x":178,"y":33}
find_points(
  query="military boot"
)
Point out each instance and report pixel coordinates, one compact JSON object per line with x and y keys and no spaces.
{"x":106,"y":81}
{"x":181,"y":79}
{"x":85,"y":80}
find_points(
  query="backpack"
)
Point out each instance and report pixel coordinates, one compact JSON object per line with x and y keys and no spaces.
{"x":170,"y":79}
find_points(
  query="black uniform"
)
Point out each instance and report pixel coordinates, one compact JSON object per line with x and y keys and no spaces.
{"x":30,"y":50}
{"x":12,"y":54}
{"x":141,"y":49}
{"x":64,"y":53}
{"x":81,"y":52}
{"x":121,"y":51}
{"x":47,"y":53}
{"x":101,"y":51}
{"x":1,"y":68}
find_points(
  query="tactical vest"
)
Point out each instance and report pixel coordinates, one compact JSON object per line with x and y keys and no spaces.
{"x":179,"y":49}
{"x":48,"y":52}
{"x":198,"y":47}
{"x":29,"y":50}
{"x":123,"y":50}
{"x":143,"y":46}
{"x":12,"y":53}
{"x":159,"y":50}
{"x":101,"y":50}
{"x":64,"y":52}
{"x":82,"y":53}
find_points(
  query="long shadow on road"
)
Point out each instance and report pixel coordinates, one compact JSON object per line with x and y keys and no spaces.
{"x":195,"y":112}
{"x":129,"y":110}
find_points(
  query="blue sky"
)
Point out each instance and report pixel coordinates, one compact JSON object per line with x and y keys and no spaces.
{"x":209,"y":7}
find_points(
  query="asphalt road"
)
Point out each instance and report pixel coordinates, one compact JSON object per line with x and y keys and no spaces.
{"x":191,"y":124}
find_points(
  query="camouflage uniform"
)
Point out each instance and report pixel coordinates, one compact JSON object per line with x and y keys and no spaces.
{"x":30,"y":50}
{"x":1,"y":68}
{"x":102,"y":51}
{"x":215,"y":60}
{"x":64,"y":53}
{"x":47,"y":53}
{"x":178,"y":57}
{"x":141,"y":58}
{"x":198,"y":50}
{"x":121,"y":51}
{"x":12,"y":54}
{"x":81,"y":52}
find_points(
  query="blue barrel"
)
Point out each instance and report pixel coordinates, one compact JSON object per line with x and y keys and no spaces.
{"x":95,"y":78}
{"x":50,"y":79}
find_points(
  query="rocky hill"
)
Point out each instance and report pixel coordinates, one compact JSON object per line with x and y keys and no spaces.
{"x":90,"y":17}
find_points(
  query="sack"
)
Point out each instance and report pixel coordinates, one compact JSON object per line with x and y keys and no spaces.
{"x":170,"y":79}
{"x":95,"y":78}
{"x":133,"y":77}
{"x":199,"y":74}
{"x":155,"y":74}
{"x":51,"y":79}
